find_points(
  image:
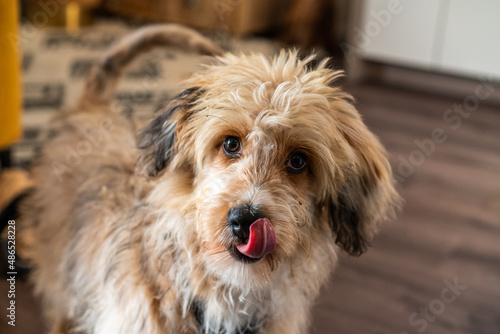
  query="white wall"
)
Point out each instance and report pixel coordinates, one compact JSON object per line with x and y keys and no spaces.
{"x":460,"y":37}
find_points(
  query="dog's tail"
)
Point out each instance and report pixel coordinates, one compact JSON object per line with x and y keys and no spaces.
{"x":102,"y":81}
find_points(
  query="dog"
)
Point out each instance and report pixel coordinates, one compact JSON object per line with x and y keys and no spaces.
{"x":224,"y":214}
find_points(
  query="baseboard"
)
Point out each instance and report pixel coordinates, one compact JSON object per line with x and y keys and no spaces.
{"x":484,"y":88}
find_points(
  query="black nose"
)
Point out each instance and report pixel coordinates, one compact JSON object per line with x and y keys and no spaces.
{"x":241,"y":217}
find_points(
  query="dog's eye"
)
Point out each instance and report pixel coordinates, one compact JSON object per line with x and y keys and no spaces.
{"x":296,"y":163}
{"x":232,"y":146}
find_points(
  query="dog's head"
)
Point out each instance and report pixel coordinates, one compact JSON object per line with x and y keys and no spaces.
{"x":274,"y":154}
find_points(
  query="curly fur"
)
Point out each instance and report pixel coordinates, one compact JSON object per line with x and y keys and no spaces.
{"x":131,"y":237}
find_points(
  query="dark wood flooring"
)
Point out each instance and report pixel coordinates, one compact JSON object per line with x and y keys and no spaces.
{"x":447,"y":235}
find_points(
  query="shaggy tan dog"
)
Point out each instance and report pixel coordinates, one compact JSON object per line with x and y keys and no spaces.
{"x":225,"y":217}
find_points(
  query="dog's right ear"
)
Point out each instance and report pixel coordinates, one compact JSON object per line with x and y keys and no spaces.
{"x":157,"y":140}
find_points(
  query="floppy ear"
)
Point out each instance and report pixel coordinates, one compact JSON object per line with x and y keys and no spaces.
{"x":367,"y":195}
{"x":157,"y":140}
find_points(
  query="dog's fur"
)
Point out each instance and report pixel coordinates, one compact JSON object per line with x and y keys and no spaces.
{"x":134,"y":238}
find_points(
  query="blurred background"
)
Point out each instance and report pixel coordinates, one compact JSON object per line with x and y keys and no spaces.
{"x":426,"y":78}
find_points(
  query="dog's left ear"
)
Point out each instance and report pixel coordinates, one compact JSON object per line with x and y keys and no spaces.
{"x":367,"y":195}
{"x":157,"y":141}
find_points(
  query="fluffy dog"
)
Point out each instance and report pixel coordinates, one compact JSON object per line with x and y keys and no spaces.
{"x":226,"y":215}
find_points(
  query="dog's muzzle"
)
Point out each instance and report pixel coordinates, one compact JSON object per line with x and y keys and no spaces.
{"x":254,"y":233}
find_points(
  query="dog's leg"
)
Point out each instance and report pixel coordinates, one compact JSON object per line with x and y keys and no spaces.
{"x":286,"y":327}
{"x":62,"y":326}
{"x":294,"y":324}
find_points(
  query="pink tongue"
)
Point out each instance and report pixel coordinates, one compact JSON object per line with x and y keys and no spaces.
{"x":261,"y":241}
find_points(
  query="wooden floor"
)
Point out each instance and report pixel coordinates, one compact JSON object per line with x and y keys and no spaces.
{"x":448,"y":231}
{"x":436,"y":269}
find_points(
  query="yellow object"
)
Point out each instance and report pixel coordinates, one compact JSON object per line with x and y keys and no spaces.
{"x":71,"y":14}
{"x":10,"y":86}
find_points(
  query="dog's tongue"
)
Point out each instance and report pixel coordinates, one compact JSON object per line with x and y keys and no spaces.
{"x":261,"y":241}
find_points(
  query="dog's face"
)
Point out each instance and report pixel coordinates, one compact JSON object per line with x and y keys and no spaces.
{"x":275,"y":155}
